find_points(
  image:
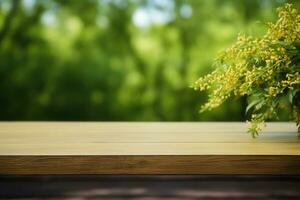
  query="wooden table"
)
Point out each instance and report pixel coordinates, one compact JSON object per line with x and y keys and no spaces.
{"x":147,"y":148}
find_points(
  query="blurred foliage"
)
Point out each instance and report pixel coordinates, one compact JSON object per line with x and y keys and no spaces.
{"x":117,"y":59}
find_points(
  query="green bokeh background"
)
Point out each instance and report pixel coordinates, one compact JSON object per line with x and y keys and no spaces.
{"x":119,"y":60}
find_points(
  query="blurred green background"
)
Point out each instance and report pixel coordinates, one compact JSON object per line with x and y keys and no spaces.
{"x":118,"y":60}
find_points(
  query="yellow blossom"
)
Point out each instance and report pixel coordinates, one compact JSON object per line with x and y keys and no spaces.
{"x":266,"y":68}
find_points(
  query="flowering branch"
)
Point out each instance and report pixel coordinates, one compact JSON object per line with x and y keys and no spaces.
{"x":265,"y":69}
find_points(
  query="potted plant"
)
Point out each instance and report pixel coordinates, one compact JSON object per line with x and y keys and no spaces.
{"x":264,"y":69}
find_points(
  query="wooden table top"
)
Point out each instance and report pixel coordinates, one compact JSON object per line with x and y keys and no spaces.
{"x":147,"y":148}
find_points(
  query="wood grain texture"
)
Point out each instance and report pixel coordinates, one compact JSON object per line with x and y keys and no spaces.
{"x":147,"y":148}
{"x":176,"y":164}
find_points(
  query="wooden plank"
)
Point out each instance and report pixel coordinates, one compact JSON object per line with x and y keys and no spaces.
{"x":168,"y":132}
{"x":147,"y":148}
{"x":152,"y":149}
{"x":144,"y":127}
{"x":174,"y":164}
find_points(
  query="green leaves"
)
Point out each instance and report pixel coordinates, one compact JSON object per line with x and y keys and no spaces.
{"x":265,"y":69}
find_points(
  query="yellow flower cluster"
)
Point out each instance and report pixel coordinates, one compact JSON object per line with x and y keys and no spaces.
{"x":287,"y":27}
{"x":265,"y":69}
